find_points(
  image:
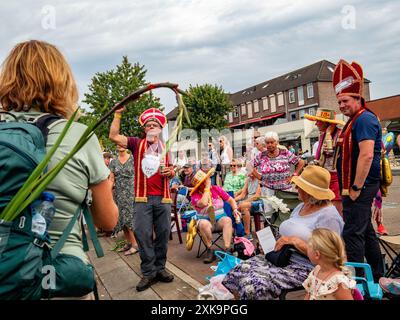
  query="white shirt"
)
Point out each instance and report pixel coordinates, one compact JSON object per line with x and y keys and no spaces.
{"x":302,"y":226}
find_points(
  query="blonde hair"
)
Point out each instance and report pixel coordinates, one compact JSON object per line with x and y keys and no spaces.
{"x":36,"y":74}
{"x":330,"y":245}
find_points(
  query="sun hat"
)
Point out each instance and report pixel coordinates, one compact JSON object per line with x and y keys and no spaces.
{"x":200,"y":177}
{"x":390,"y":285}
{"x":315,"y":181}
{"x":324,"y":115}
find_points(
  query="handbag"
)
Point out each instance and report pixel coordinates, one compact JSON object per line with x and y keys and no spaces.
{"x":281,"y":257}
{"x":227,"y":262}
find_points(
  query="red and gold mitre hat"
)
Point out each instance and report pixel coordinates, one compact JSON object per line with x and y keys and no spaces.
{"x":348,"y":79}
{"x":153,"y":114}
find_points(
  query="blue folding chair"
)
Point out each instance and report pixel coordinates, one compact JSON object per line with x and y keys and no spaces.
{"x":366,"y":285}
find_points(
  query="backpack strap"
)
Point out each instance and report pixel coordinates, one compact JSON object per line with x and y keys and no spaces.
{"x":43,"y":122}
{"x":60,"y":243}
{"x":93,"y":233}
{"x":88,"y":217}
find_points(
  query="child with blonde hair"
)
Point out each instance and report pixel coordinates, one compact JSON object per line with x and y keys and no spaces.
{"x":328,"y":280}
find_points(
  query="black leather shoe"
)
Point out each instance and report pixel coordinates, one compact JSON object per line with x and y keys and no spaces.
{"x":145,"y":283}
{"x":210,"y":256}
{"x":164,"y":276}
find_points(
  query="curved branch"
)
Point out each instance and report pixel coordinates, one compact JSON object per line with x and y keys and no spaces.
{"x":136,"y":95}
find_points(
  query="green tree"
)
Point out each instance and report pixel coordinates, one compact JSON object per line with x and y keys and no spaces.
{"x":107,"y":88}
{"x":207,"y":106}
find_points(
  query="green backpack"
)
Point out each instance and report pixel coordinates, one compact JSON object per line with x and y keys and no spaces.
{"x":29,"y":267}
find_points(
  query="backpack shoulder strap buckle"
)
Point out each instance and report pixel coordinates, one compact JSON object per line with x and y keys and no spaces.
{"x":38,"y":242}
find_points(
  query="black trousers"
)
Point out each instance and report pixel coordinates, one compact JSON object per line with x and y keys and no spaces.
{"x":152,"y":216}
{"x":359,"y":234}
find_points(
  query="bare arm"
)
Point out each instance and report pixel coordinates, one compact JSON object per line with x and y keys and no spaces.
{"x":298,"y":243}
{"x":114,"y":135}
{"x":103,"y":209}
{"x":205,"y":199}
{"x":364,"y":161}
{"x":232,"y":203}
{"x":299,"y":166}
{"x":230,"y":153}
{"x":257,"y":195}
{"x":112,"y":178}
{"x":242,"y":193}
{"x":343,"y":294}
{"x":307,"y":296}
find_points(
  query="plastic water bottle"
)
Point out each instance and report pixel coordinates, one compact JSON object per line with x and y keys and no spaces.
{"x":47,"y":209}
{"x":38,"y":221}
{"x":43,"y":211}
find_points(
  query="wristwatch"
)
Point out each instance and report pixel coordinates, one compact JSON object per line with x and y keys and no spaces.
{"x":355,"y":188}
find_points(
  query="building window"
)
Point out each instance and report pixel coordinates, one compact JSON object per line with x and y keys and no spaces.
{"x":293,"y":116}
{"x":256,"y":107}
{"x":243,"y":109}
{"x":236,"y":112}
{"x":265,"y":103}
{"x":272,"y":102}
{"x":280,"y":99}
{"x":310,"y":91}
{"x":302,"y":113}
{"x":311,"y":111}
{"x":249,"y":110}
{"x":230,"y":117}
{"x":300,"y":95}
{"x":292,"y":98}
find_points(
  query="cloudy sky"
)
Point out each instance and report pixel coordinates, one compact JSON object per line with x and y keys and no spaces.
{"x":232,"y":43}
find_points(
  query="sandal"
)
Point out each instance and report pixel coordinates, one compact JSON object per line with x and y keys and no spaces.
{"x":131,"y":250}
{"x":126,"y":247}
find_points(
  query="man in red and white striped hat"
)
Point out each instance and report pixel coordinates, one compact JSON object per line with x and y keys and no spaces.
{"x":152,"y":194}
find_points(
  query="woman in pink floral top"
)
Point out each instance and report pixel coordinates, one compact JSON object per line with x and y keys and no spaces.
{"x":273,"y":166}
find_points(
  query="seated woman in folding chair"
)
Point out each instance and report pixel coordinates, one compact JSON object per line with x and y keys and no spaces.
{"x":248,"y":199}
{"x":259,"y":279}
{"x":208,"y":201}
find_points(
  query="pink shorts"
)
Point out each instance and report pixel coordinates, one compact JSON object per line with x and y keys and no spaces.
{"x":334,"y":186}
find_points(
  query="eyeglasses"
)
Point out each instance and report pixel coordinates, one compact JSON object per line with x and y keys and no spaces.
{"x":233,"y":165}
{"x":152,"y":125}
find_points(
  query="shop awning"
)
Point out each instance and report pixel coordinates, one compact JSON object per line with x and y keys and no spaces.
{"x":289,"y":137}
{"x":257,"y":119}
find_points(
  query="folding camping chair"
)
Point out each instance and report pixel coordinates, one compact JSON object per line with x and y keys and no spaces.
{"x":229,"y":213}
{"x":389,"y":245}
{"x":276,"y":217}
{"x":177,"y":207}
{"x":366,"y":285}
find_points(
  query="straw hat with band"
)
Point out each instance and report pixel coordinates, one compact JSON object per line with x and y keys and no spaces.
{"x":324,"y":115}
{"x":315,"y":181}
{"x":199,"y":178}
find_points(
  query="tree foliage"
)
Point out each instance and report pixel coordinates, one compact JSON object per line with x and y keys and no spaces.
{"x":207,"y":106}
{"x":107,"y":88}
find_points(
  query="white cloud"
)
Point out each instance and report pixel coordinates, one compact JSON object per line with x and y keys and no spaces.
{"x":233,"y":43}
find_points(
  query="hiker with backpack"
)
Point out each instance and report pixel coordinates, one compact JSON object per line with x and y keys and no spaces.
{"x":37,"y":86}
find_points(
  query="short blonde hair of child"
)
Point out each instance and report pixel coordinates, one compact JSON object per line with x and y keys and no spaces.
{"x":330,"y":245}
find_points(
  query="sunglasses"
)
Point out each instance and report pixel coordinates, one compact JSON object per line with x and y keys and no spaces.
{"x":233,"y":165}
{"x":152,"y":125}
